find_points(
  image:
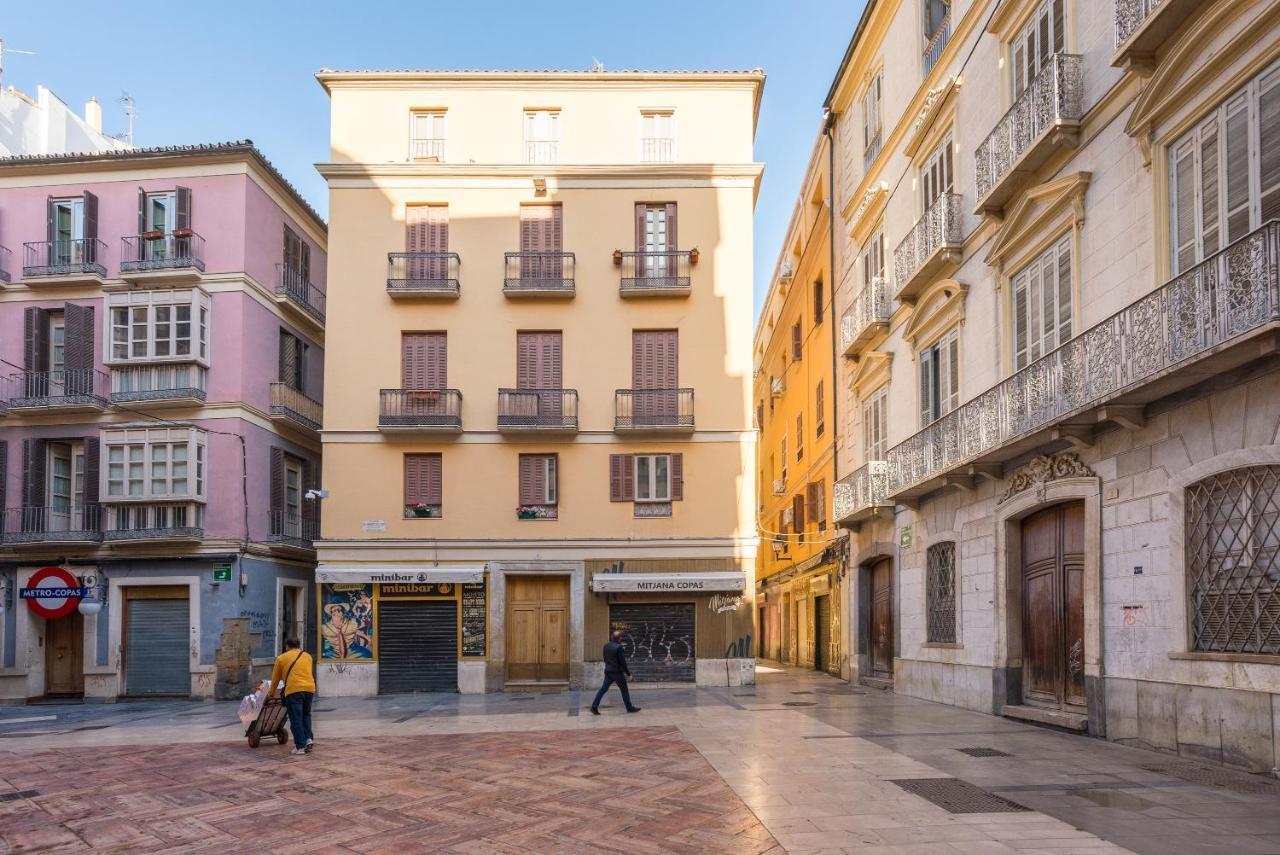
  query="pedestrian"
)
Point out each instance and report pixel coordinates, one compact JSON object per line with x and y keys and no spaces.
{"x":615,"y":671}
{"x":294,"y":668}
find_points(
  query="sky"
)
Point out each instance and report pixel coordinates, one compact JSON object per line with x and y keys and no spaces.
{"x":235,"y":70}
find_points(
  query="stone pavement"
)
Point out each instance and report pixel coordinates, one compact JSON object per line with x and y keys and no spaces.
{"x":801,"y":761}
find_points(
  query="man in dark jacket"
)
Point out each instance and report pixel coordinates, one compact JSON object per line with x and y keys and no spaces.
{"x":615,"y":671}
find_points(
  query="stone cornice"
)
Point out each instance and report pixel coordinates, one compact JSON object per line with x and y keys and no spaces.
{"x":623,"y":171}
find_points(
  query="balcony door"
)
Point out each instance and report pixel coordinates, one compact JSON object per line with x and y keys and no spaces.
{"x":292,"y":497}
{"x":66,"y":231}
{"x":655,"y":240}
{"x":64,"y":490}
{"x":424,"y":372}
{"x":541,"y":242}
{"x":654,"y":375}
{"x":427,"y":231}
{"x":1041,"y":37}
{"x":539,"y":365}
{"x":936,"y":174}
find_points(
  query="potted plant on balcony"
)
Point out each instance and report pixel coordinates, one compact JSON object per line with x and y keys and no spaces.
{"x":693,"y":255}
{"x":183,"y":233}
{"x":617,"y":258}
{"x":526,"y":512}
{"x":419,"y":509}
{"x":152,"y":234}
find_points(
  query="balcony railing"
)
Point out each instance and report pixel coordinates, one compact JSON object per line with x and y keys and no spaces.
{"x":294,"y":529}
{"x":937,"y":44}
{"x":656,"y":273}
{"x":287,"y":402}
{"x":163,"y":382}
{"x":539,"y":273}
{"x":657,"y":150}
{"x":53,"y":524}
{"x":935,"y":240}
{"x":64,"y":258}
{"x":426,"y":149}
{"x":420,"y":409}
{"x":858,"y":494}
{"x":653,"y":409}
{"x":779,"y":486}
{"x":1045,"y":117}
{"x":1143,"y":26}
{"x":423,"y":274}
{"x":6,"y":264}
{"x":869,"y":312}
{"x":542,"y":151}
{"x":293,"y":284}
{"x":538,"y":409}
{"x":1223,"y":300}
{"x":777,"y":386}
{"x":154,"y":521}
{"x":172,"y":251}
{"x":79,"y":387}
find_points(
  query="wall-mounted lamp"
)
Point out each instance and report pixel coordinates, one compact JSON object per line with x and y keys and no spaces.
{"x":95,"y":593}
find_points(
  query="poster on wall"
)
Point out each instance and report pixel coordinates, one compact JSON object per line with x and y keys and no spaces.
{"x":346,"y":622}
{"x":474,"y":609}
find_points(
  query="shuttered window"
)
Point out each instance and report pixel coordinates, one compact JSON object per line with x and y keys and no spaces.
{"x":424,"y":360}
{"x":799,"y":436}
{"x":293,"y":361}
{"x":875,"y":425}
{"x":936,"y":175}
{"x":797,"y":342}
{"x":872,"y":258}
{"x":1042,"y":304}
{"x":423,"y":485}
{"x":816,"y":500}
{"x":539,"y":358}
{"x":539,"y":484}
{"x":797,"y":512}
{"x":1224,"y":174}
{"x":541,"y":228}
{"x":939,"y":378}
{"x":654,"y":359}
{"x":818,"y":307}
{"x":819,"y":411}
{"x":1040,"y":38}
{"x":871,"y":118}
{"x":297,"y":257}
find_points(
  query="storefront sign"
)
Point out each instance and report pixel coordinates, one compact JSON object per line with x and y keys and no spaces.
{"x":680,"y":583}
{"x":904,"y":537}
{"x":52,"y":592}
{"x":222,"y":573}
{"x":475,"y":606}
{"x":405,"y":589}
{"x":721,"y":603}
{"x":407,"y":575}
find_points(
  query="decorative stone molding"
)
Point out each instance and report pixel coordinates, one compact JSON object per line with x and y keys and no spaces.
{"x":929,"y":110}
{"x":869,"y":200}
{"x":1042,"y":469}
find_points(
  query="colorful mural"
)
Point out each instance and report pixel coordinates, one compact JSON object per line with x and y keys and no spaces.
{"x":346,"y":622}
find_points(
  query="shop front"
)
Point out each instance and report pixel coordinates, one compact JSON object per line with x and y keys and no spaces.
{"x":800,"y":614}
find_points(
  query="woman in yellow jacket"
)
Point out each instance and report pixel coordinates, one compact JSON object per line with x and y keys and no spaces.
{"x":294,"y":667}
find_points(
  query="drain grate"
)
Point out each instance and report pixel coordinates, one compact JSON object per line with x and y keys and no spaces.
{"x":984,"y":752}
{"x":956,"y":796}
{"x":799,"y":704}
{"x":21,"y":794}
{"x":1236,"y":782}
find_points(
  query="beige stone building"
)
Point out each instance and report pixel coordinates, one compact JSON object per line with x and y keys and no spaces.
{"x":1057,"y":263}
{"x":541,"y":422}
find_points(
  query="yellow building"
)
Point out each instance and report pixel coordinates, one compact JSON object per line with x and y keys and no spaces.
{"x":798,"y":618}
{"x":539,"y":368}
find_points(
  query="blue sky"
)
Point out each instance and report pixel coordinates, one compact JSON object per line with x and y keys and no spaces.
{"x":234,"y":69}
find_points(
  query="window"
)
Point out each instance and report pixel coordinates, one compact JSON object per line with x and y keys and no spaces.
{"x":818,"y":306}
{"x":159,"y":325}
{"x":65,"y":466}
{"x":797,"y":515}
{"x":939,"y":378}
{"x":542,"y":136}
{"x":293,"y":361}
{"x":797,"y":342}
{"x":1041,"y":37}
{"x":935,"y":174}
{"x":657,"y":136}
{"x":1225,"y":173}
{"x":423,"y":485}
{"x":57,"y":356}
{"x":427,"y":136}
{"x":1233,"y":561}
{"x":538,"y":486}
{"x":816,"y":500}
{"x":72,"y":231}
{"x":940,"y":593}
{"x":937,"y":30}
{"x":297,"y":260}
{"x":292,"y":496}
{"x":782,"y":455}
{"x":651,"y":481}
{"x":875,"y":425}
{"x":819,"y":411}
{"x":873,"y":259}
{"x":872,"y":124}
{"x":653,"y":478}
{"x":1042,"y":304}
{"x":800,"y":436}
{"x":155,"y":463}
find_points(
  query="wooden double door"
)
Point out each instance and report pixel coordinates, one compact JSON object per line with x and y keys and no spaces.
{"x":1053,"y":607}
{"x":64,"y":656}
{"x":538,"y":629}
{"x":881,"y":619}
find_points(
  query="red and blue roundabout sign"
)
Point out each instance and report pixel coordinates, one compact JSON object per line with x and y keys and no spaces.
{"x":52,"y":592}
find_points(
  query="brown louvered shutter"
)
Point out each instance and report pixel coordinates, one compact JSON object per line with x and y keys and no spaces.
{"x":539,"y":360}
{"x":527,"y":488}
{"x":820,"y":504}
{"x":797,"y":344}
{"x":414,"y":478}
{"x":311,"y":481}
{"x":433,"y":481}
{"x":78,"y":351}
{"x":33,"y":473}
{"x":424,"y":360}
{"x":819,"y":409}
{"x":654,"y":359}
{"x":622,"y":477}
{"x":677,"y":477}
{"x":817,"y":302}
{"x":276,"y":473}
{"x":641,"y":210}
{"x":36,"y":344}
{"x":782,"y":523}
{"x":50,"y":229}
{"x":90,"y":220}
{"x":672,"y":243}
{"x":142,"y":216}
{"x":91,"y":469}
{"x":182,"y":216}
{"x":797,"y":507}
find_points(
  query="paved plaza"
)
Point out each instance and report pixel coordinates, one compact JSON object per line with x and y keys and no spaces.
{"x":800,"y":763}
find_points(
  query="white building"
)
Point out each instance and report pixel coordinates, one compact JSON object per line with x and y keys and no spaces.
{"x":46,"y":125}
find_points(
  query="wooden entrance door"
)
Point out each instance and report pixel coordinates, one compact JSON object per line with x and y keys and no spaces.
{"x":882,"y":619}
{"x":64,"y":655}
{"x":538,"y":628}
{"x":1053,"y":607}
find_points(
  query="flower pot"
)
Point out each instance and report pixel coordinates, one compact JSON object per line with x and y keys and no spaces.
{"x":617,"y":258}
{"x":526,"y":516}
{"x":153,"y":234}
{"x":182,"y":233}
{"x":693,"y":256}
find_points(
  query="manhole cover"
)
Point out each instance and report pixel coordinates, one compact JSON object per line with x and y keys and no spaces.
{"x":1236,"y":782}
{"x":983,"y":752}
{"x":21,"y":794}
{"x":956,"y":796}
{"x":799,"y":704}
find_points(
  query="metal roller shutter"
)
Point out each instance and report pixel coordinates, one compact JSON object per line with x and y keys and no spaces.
{"x":822,"y":634}
{"x":157,"y":661}
{"x":658,"y":640}
{"x":417,"y":646}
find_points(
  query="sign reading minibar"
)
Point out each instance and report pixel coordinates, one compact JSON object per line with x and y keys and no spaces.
{"x":658,"y":583}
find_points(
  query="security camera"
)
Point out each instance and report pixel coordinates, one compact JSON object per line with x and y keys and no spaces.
{"x":315,"y":495}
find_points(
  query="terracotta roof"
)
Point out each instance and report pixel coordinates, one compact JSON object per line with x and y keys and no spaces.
{"x":245,"y":147}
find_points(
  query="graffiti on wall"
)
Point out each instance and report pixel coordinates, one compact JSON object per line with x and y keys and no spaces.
{"x":740,"y":648}
{"x":721,"y":603}
{"x":346,"y":622}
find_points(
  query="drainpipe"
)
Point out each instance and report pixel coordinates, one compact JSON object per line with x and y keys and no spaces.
{"x":828,"y":128}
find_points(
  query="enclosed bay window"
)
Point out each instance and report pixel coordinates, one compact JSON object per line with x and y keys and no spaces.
{"x":939,"y":377}
{"x":148,"y":464}
{"x":1042,"y":304}
{"x":159,"y":325}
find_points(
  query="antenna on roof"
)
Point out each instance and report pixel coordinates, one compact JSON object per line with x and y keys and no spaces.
{"x":11,"y":50}
{"x":596,"y":65}
{"x":129,"y":112}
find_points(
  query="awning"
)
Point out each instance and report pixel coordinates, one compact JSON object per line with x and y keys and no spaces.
{"x":680,"y":583}
{"x":402,"y":574}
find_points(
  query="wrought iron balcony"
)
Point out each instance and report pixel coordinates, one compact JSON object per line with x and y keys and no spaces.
{"x":289,"y":404}
{"x":934,"y":242}
{"x":538,"y":410}
{"x":656,"y":274}
{"x":1187,"y":329}
{"x":866,"y":317}
{"x":68,"y":389}
{"x":657,"y":150}
{"x":158,"y":251}
{"x":937,"y":44}
{"x":1044,"y":119}
{"x":861,"y":493}
{"x":777,"y":386}
{"x":423,"y":274}
{"x":779,"y":486}
{"x":542,"y":151}
{"x":178,"y":382}
{"x":127,"y":522}
{"x":297,"y":290}
{"x":539,"y":274}
{"x":420,"y":410}
{"x":1142,"y":26}
{"x":57,"y":259}
{"x":294,"y":529}
{"x":653,"y":410}
{"x":6,"y":264}
{"x":53,"y":524}
{"x":428,"y":149}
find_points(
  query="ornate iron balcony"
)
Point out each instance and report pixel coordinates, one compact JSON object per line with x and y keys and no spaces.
{"x":1045,"y":117}
{"x":423,"y":274}
{"x":868,"y":314}
{"x":539,"y":274}
{"x":162,"y":251}
{"x":653,"y":410}
{"x":64,"y":258}
{"x":425,"y":410}
{"x":933,"y":242}
{"x":293,"y":285}
{"x":428,"y":148}
{"x":53,"y":524}
{"x":533,"y":410}
{"x":158,"y":382}
{"x":294,"y":529}
{"x":656,"y":274}
{"x":859,"y":494}
{"x":77,"y":388}
{"x":290,"y":404}
{"x":657,"y":150}
{"x":1142,"y":26}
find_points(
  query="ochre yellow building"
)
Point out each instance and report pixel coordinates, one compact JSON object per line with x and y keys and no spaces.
{"x":540,"y":377}
{"x":798,"y":617}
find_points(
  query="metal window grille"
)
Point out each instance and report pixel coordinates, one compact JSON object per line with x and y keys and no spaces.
{"x":940,"y":592}
{"x":1233,"y":570}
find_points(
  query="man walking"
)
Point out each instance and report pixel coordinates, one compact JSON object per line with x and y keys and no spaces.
{"x":294,"y":668}
{"x":615,"y":671}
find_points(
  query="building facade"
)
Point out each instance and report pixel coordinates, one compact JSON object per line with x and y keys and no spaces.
{"x":45,"y":125}
{"x":537,"y":274}
{"x":799,"y":566}
{"x":1059,"y":254}
{"x":162,"y":339}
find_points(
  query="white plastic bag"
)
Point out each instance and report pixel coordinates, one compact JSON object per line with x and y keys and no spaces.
{"x":252,"y":704}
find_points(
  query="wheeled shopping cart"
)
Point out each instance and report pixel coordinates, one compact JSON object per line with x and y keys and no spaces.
{"x":270,"y":722}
